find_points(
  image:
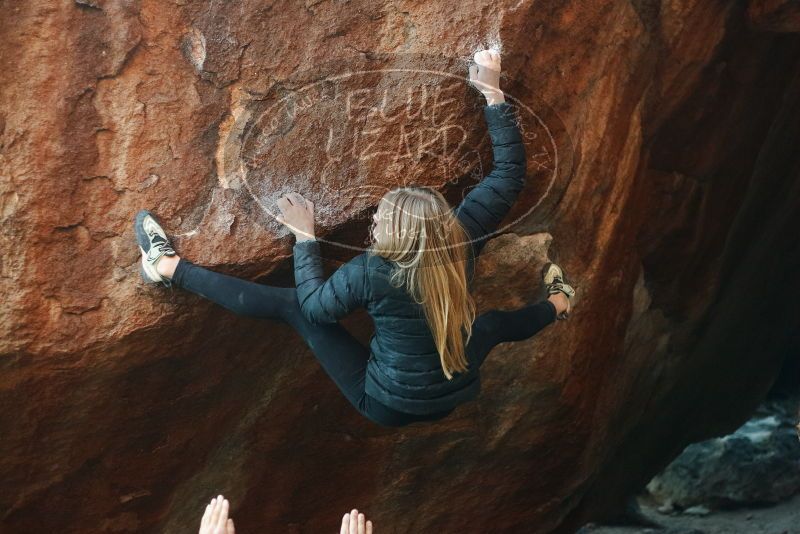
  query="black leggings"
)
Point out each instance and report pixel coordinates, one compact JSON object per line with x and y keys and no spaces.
{"x":342,"y":356}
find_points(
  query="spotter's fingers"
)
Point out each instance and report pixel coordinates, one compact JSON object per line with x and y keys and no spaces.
{"x":223,"y":515}
{"x":216,"y":506}
{"x":206,"y":516}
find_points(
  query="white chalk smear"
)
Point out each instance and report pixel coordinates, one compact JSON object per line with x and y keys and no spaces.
{"x":192,"y":232}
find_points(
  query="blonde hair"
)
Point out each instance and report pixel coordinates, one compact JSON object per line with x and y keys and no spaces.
{"x":418,"y":231}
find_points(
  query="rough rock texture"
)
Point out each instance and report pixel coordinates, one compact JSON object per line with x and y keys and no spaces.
{"x":665,"y":175}
{"x":756,"y":465}
{"x":775,"y":15}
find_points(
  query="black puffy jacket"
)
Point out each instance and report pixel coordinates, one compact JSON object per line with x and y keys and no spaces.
{"x":404,"y":371}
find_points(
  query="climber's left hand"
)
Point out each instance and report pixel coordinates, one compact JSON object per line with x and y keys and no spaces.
{"x":297,"y":213}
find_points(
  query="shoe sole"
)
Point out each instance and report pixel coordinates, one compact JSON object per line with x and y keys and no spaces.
{"x":545,"y":268}
{"x":138,"y":228}
{"x":144,"y":241}
{"x":144,"y":274}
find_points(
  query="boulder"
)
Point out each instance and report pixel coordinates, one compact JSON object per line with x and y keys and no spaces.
{"x":756,"y":465}
{"x":664,"y":176}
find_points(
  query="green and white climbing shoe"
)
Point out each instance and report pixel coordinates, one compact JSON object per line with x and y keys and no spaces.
{"x":555,"y":282}
{"x":153,"y":243}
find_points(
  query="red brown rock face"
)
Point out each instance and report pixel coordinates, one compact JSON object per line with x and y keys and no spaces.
{"x":662,"y":142}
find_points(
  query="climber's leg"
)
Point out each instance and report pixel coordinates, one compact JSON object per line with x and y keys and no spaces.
{"x":345,"y":360}
{"x":239,"y":296}
{"x":341,"y":355}
{"x":494,"y":327}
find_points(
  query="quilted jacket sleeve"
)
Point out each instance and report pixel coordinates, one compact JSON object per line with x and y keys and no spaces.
{"x":326,"y":301}
{"x":484,"y":208}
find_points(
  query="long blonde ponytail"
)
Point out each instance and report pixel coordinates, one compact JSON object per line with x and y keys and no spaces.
{"x":417,"y":230}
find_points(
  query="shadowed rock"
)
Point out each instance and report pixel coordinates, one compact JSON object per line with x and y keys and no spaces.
{"x":664,"y":175}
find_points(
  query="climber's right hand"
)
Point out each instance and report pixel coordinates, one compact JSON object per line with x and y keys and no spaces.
{"x":484,"y":75}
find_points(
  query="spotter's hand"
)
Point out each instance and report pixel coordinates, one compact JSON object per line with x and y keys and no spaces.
{"x":484,"y":75}
{"x":355,"y":523}
{"x":297,"y":214}
{"x":215,"y":519}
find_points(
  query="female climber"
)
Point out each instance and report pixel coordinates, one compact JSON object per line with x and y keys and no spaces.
{"x":424,"y":357}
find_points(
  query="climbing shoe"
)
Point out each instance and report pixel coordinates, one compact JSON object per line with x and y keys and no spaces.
{"x":153,"y":243}
{"x":555,"y":282}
